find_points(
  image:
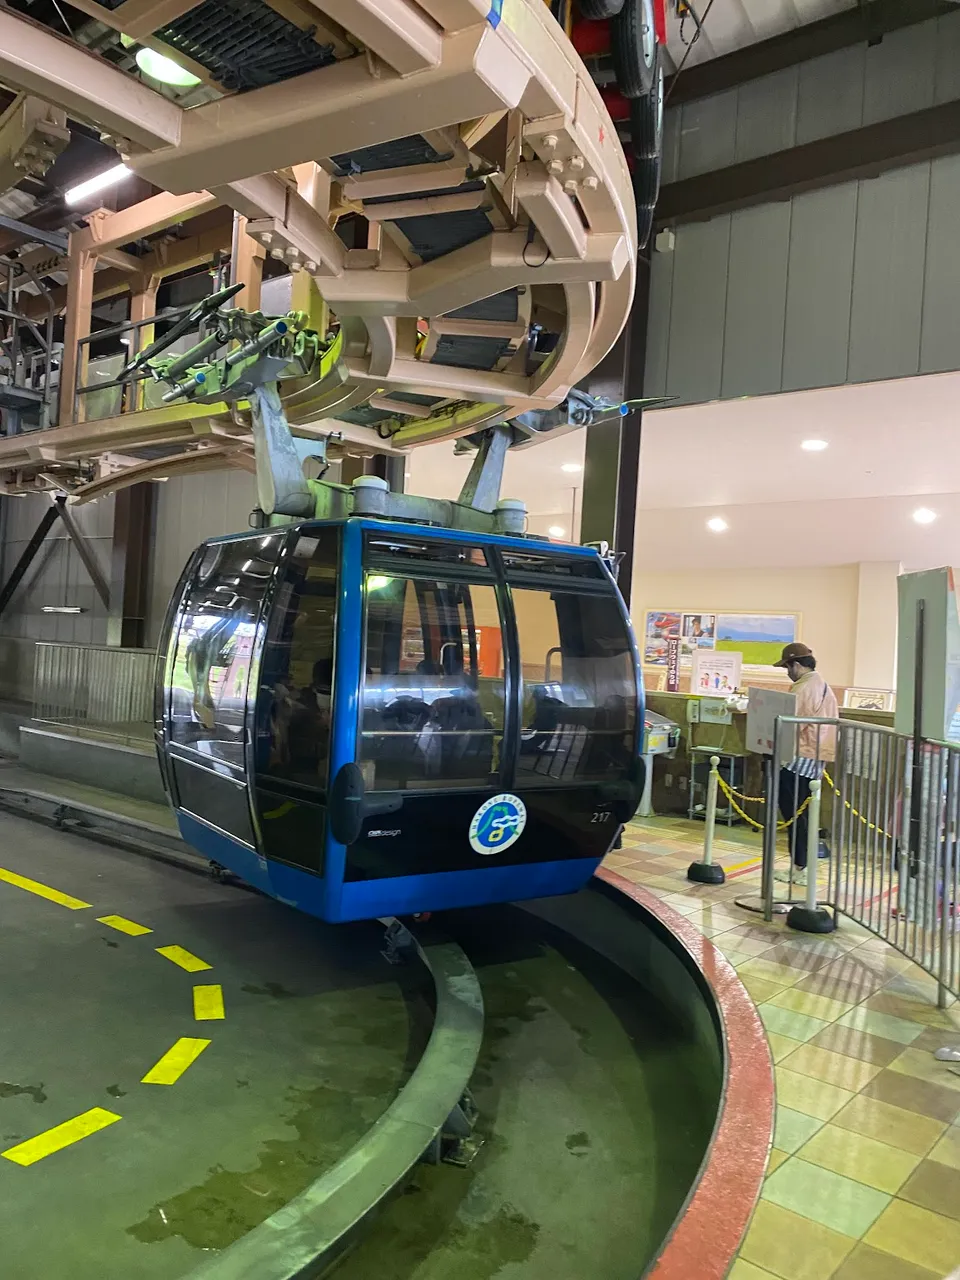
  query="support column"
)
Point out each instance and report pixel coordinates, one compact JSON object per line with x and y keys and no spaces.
{"x":611,"y":473}
{"x":875,"y":655}
{"x":73,"y":372}
{"x":143,"y":305}
{"x":246,"y":264}
{"x":130,"y":565}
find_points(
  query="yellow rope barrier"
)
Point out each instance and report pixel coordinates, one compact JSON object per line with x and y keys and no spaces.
{"x":871,"y":826}
{"x":729,"y":792}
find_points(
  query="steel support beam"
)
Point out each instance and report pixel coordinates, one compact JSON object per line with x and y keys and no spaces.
{"x":47,"y":521}
{"x":84,"y":551}
{"x":52,"y":239}
{"x":33,"y":59}
{"x":130,"y":565}
{"x":611,"y":473}
{"x":860,"y":153}
{"x":868,"y":22}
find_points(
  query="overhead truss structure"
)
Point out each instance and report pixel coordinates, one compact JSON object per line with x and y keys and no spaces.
{"x":491,"y":260}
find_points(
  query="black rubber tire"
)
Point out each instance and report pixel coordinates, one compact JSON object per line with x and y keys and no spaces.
{"x":633,"y":45}
{"x":596,"y":10}
{"x":644,"y":224}
{"x":646,"y":120}
{"x":646,"y":181}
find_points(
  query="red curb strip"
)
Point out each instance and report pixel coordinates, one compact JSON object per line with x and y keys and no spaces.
{"x":706,"y":1238}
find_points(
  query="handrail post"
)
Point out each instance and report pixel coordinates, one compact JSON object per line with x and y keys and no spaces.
{"x":810,"y":918}
{"x":707,"y":871}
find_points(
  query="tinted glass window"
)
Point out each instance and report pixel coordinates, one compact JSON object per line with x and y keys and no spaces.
{"x":579,"y":688}
{"x":216,"y":640}
{"x":450,"y":553}
{"x":432,"y":707}
{"x":557,"y":566}
{"x":296,"y":681}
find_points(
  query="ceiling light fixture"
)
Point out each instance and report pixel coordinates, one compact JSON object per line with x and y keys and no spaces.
{"x":572,"y":467}
{"x":61,"y":608}
{"x":923,"y":515}
{"x":814,"y":446}
{"x":555,"y":531}
{"x":159,"y":67}
{"x":92,"y":185}
{"x":717,"y":524}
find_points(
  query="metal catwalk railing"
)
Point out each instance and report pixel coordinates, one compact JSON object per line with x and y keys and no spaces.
{"x":890,"y":819}
{"x":95,"y":688}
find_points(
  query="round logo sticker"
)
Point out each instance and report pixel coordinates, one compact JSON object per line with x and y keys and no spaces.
{"x":498,"y":824}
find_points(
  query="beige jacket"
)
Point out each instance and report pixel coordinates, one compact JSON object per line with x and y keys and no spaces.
{"x":816,"y":700}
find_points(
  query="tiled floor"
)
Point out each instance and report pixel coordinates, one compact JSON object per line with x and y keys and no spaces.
{"x":864,"y":1176}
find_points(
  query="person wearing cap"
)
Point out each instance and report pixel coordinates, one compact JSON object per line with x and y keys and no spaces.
{"x":816,"y":747}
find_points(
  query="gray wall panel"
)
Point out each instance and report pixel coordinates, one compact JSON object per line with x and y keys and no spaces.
{"x":888,"y":273}
{"x":830,"y":95}
{"x":756,"y":301}
{"x":946,"y":80}
{"x":658,"y":334}
{"x":898,"y":76}
{"x":907,"y":71}
{"x":767,"y":115}
{"x":820,"y":271}
{"x":671,"y":146}
{"x":940,"y":329}
{"x":708,"y":134}
{"x":57,"y":575}
{"x":697,"y":310}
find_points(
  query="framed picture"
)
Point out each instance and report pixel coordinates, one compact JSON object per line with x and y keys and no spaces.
{"x":869,"y":699}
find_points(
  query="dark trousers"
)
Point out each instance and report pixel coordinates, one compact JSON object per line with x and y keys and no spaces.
{"x":793,"y":791}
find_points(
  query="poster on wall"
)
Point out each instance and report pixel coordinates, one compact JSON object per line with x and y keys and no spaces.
{"x":758,"y":637}
{"x":673,"y":664}
{"x":697,"y":631}
{"x":661,"y":626}
{"x":715,"y":674}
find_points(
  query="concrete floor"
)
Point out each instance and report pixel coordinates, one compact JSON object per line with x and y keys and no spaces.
{"x":318,"y":1036}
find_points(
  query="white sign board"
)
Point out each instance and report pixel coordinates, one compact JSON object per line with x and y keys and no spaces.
{"x":716,"y":673}
{"x":763,"y":707}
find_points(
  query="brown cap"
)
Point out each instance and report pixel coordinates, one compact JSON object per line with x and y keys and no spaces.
{"x":791,"y":652}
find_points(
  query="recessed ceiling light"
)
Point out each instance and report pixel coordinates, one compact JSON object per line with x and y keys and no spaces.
{"x":717,"y":524}
{"x":814,"y":446}
{"x":159,"y":67}
{"x":923,"y":515}
{"x":572,"y":467}
{"x":555,"y":531}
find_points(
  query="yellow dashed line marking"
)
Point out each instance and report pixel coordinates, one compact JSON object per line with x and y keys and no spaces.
{"x":123,"y":925}
{"x":175,"y":1061}
{"x":63,"y":1135}
{"x":208,"y":1003}
{"x":43,"y":891}
{"x":185,"y":959}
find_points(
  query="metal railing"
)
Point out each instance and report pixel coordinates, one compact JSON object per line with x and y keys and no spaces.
{"x":100,"y":391}
{"x":891,"y":821}
{"x":101,"y":690}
